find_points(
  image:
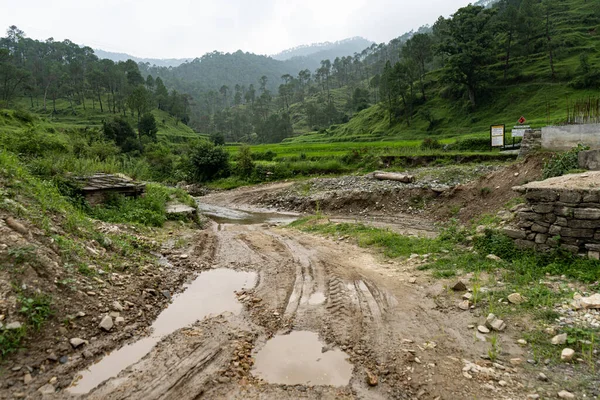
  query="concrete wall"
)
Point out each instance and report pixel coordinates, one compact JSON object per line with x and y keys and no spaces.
{"x":569,"y":136}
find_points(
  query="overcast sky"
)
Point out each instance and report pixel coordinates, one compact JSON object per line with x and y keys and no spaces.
{"x":188,"y":28}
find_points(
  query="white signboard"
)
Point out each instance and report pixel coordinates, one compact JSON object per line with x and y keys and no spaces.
{"x":497,"y":135}
{"x":519,"y":131}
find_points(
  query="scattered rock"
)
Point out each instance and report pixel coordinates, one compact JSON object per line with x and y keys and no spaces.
{"x":53,"y":380}
{"x":52,"y":357}
{"x":522,"y":342}
{"x":493,"y":257}
{"x":183,"y":256}
{"x":63,"y":359}
{"x":516,"y":361}
{"x":16,"y":226}
{"x":467,"y":296}
{"x":76,"y":342}
{"x":516,"y":298}
{"x":459,"y":287}
{"x":87,"y":354}
{"x":372,"y":379}
{"x":494,"y":323}
{"x":80,"y":314}
{"x":590,"y":302}
{"x":412,"y":280}
{"x":117,"y":306}
{"x":27,"y":379}
{"x":106,"y":323}
{"x":464,"y":305}
{"x":47,"y":389}
{"x":166,"y":294}
{"x":559,"y":339}
{"x":567,"y":354}
{"x":563,"y":394}
{"x":542,"y":377}
{"x":13,"y":325}
{"x":533,"y":396}
{"x":483,"y":329}
{"x":119,"y":320}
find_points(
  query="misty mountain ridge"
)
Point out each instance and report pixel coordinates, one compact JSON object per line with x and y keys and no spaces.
{"x":345,"y":47}
{"x":159,"y":62}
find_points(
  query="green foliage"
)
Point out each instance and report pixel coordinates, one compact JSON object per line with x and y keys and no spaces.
{"x":430,"y":144}
{"x":218,"y":139}
{"x":561,"y":163}
{"x":148,"y":127}
{"x":208,"y":161}
{"x":121,"y":132}
{"x":36,"y":309}
{"x":149,"y":210}
{"x":244,"y":165}
{"x":471,"y":144}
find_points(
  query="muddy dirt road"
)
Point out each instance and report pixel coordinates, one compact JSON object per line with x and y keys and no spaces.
{"x":286,"y":315}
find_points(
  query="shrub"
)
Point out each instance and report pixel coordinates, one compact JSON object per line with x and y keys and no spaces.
{"x":23,"y":116}
{"x":208,"y":161}
{"x":430,"y":144}
{"x":244,"y":165}
{"x":562,"y":163}
{"x":120,"y":131}
{"x":471,"y":144}
{"x":147,"y":126}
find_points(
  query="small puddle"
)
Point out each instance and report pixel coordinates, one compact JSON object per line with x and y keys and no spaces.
{"x":224,"y":215}
{"x":211,"y":293}
{"x":298,"y":359}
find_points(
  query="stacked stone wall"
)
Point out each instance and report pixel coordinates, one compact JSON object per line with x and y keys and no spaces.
{"x":532,"y":142}
{"x":566,"y":218}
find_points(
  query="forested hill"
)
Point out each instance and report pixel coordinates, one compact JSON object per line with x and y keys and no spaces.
{"x":482,"y":65}
{"x":311,"y":55}
{"x":161,"y":62}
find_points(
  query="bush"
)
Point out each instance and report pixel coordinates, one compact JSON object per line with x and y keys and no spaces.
{"x":120,"y":132}
{"x":430,"y":144}
{"x":471,"y":144}
{"x":268,"y":155}
{"x":244,"y":163}
{"x":23,"y":116}
{"x":146,"y":210}
{"x":562,"y":163}
{"x":208,"y":161}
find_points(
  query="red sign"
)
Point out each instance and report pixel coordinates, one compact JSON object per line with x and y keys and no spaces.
{"x":522,"y":120}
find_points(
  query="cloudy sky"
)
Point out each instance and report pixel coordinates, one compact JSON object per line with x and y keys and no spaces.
{"x":188,"y":28}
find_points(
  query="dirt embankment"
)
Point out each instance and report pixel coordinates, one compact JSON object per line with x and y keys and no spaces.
{"x":125,"y":275}
{"x":437,"y":193}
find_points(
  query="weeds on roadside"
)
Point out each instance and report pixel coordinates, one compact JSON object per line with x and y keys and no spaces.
{"x":495,"y":348}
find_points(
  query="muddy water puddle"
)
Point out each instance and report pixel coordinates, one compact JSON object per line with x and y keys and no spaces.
{"x":211,"y":293}
{"x":225,"y":215}
{"x":299,"y":359}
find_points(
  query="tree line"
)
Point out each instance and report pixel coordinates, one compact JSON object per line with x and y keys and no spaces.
{"x":45,"y":71}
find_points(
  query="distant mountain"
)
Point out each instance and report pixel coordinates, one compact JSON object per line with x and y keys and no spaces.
{"x":160,"y":62}
{"x":486,"y":3}
{"x":311,"y":55}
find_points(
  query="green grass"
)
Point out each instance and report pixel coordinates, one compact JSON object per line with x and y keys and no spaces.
{"x":391,"y":244}
{"x":36,"y":309}
{"x":148,"y":210}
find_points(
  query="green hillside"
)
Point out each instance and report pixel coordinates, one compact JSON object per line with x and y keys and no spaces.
{"x":481,"y":66}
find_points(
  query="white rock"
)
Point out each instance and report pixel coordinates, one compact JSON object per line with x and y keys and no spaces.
{"x":13,"y":325}
{"x":567,"y":354}
{"x":47,"y":389}
{"x":483,"y":329}
{"x":117,"y":306}
{"x":119,"y":320}
{"x":590,"y":302}
{"x":522,"y":342}
{"x":559,"y":339}
{"x":563,"y":394}
{"x":106,"y":323}
{"x":516,"y":298}
{"x":467,"y":296}
{"x":76,"y":342}
{"x":464,"y":305}
{"x":493,"y":257}
{"x":533,"y":396}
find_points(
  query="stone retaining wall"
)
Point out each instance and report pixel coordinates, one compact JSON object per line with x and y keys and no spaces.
{"x":568,"y":136}
{"x":532,"y":141}
{"x":559,"y":215}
